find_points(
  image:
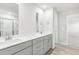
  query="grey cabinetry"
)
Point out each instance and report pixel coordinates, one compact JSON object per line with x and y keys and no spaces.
{"x":47,"y":43}
{"x":16,"y":48}
{"x":26,"y":51}
{"x":38,"y":46}
{"x":50,"y":41}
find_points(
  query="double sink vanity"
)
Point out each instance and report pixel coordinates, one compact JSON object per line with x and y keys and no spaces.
{"x":35,"y":44}
{"x":16,"y":28}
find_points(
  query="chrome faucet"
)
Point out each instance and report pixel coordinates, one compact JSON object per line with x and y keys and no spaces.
{"x":8,"y":36}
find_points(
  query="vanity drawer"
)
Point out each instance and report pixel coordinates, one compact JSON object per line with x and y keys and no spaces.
{"x":38,"y":40}
{"x":37,"y":47}
{"x":50,"y":41}
{"x":46,"y":45}
{"x":14,"y":49}
{"x":45,"y":49}
{"x":50,"y":36}
{"x":26,"y":51}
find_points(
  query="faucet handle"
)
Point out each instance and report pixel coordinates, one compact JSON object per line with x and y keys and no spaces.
{"x":8,"y":37}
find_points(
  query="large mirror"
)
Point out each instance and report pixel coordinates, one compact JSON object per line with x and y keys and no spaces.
{"x":8,"y":19}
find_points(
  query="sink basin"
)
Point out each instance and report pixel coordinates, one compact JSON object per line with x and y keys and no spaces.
{"x":2,"y":39}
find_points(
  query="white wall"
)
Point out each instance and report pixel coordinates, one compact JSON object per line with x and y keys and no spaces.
{"x":48,"y":20}
{"x":27,"y":21}
{"x":45,"y":20}
{"x":62,"y":29}
{"x":68,"y":28}
{"x":56,"y":14}
{"x":73,"y":30}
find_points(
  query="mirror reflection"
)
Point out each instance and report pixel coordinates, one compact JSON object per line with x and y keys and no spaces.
{"x":8,"y":19}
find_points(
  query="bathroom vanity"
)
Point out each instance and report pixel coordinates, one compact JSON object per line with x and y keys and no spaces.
{"x":25,"y":31}
{"x":29,"y":46}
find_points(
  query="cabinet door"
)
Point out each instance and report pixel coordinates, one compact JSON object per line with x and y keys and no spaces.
{"x":50,"y":41}
{"x":38,"y":46}
{"x":35,"y":46}
{"x":26,"y":51}
{"x":35,"y":49}
{"x":45,"y":45}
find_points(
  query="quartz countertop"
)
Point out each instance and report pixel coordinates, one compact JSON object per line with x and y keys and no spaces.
{"x":19,"y":39}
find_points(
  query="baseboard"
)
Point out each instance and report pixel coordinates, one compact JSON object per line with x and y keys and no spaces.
{"x":62,"y":43}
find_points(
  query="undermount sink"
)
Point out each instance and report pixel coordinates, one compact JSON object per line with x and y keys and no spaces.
{"x":2,"y":39}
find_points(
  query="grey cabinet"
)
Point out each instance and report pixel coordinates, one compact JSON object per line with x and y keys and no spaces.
{"x":38,"y":46}
{"x":47,"y":43}
{"x":16,"y":48}
{"x":26,"y":51}
{"x":50,"y":41}
{"x":42,"y":45}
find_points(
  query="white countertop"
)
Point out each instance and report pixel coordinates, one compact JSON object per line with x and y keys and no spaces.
{"x":20,"y":39}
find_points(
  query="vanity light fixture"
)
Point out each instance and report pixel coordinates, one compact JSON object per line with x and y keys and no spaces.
{"x":44,"y":6}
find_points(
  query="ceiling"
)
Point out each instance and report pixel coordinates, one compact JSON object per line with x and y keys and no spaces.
{"x":11,"y":7}
{"x":61,"y":7}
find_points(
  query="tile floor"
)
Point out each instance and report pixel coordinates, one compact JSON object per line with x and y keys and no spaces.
{"x":65,"y":50}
